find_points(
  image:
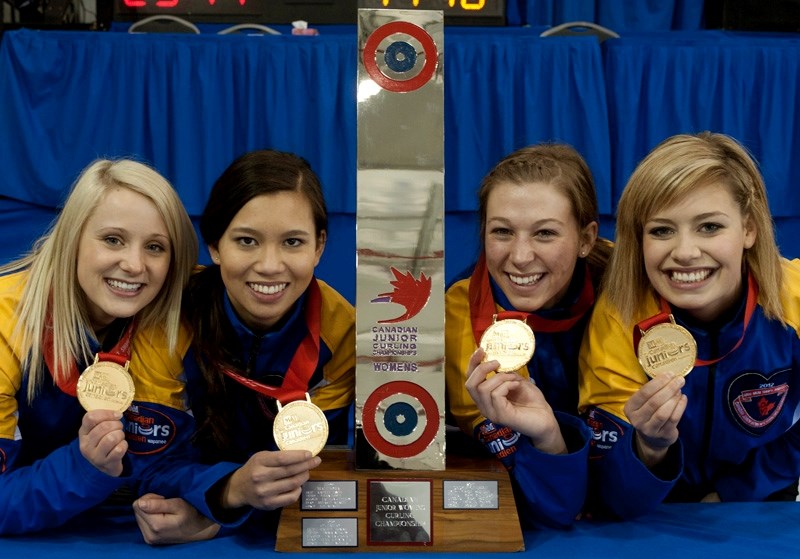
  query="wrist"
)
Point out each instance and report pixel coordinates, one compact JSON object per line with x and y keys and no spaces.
{"x":649,"y":456}
{"x":551,"y":441}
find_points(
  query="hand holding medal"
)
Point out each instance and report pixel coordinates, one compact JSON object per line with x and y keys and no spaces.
{"x":510,"y":342}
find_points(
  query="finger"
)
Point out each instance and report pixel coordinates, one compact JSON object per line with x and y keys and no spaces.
{"x":480,"y":375}
{"x":91,"y":420}
{"x":656,"y":393}
{"x":280,"y":458}
{"x":663,"y":421}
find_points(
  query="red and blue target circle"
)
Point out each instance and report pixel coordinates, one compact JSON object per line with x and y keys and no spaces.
{"x":390,"y":423}
{"x":400,"y":57}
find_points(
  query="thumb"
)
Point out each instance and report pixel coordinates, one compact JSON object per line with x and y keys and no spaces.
{"x":150,"y":503}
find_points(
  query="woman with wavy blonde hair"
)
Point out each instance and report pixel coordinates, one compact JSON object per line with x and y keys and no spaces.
{"x":689,"y":374}
{"x":105,"y":285}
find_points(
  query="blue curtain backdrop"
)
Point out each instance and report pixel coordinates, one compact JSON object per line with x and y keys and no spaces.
{"x":190,"y":104}
{"x":619,"y":15}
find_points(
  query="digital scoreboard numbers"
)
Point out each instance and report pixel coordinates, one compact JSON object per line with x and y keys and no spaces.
{"x":457,"y":12}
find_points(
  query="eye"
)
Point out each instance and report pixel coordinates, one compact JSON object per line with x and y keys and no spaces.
{"x":294,"y":242}
{"x":156,"y":248}
{"x":112,"y":240}
{"x":501,"y":232}
{"x":710,"y":227}
{"x":659,"y":231}
{"x":246,"y":241}
{"x":546,"y":234}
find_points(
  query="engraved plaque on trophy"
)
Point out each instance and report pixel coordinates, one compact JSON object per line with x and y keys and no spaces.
{"x":400,"y":512}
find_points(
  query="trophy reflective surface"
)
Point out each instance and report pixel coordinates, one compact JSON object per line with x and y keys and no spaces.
{"x":400,"y":241}
{"x":396,"y":492}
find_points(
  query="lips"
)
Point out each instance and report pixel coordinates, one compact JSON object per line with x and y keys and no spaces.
{"x":525,"y":280}
{"x":694,"y":276}
{"x":120,"y":285}
{"x":273,"y":289}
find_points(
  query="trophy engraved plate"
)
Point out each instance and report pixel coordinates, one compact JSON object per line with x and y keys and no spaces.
{"x":400,"y":240}
{"x":329,"y":495}
{"x":330,"y":532}
{"x":667,"y":347}
{"x":300,"y":425}
{"x":510,"y":342}
{"x":105,"y":385}
{"x":471,"y":495}
{"x":400,"y":512}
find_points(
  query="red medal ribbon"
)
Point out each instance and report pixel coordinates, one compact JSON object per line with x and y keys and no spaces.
{"x":119,"y":354}
{"x":482,"y":309}
{"x":666,"y":314}
{"x":304,"y":362}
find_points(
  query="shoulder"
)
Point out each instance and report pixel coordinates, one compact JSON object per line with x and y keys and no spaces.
{"x":790,"y":292}
{"x":458,"y":292}
{"x":12,"y":285}
{"x":334,"y":302}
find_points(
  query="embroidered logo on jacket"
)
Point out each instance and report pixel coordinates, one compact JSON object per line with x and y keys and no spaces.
{"x":605,"y":432}
{"x":755,"y":401}
{"x":147,"y":430}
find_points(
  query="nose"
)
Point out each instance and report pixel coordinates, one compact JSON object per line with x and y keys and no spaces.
{"x":132,"y":261}
{"x":269,"y":260}
{"x":522,"y":252}
{"x":686,"y":248}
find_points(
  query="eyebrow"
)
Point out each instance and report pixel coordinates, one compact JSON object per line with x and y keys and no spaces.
{"x":255,"y":232}
{"x":537,"y":223}
{"x":700,"y":217}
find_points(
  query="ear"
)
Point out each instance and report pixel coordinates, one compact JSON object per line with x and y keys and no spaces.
{"x":323,"y":237}
{"x":750,"y":231}
{"x":588,"y":236}
{"x":214,"y":252}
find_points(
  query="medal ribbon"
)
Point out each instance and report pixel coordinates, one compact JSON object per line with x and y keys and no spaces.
{"x":666,"y":316}
{"x":482,"y":308}
{"x":119,"y":354}
{"x":304,"y":362}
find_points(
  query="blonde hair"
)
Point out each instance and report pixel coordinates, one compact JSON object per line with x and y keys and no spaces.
{"x":672,"y":170}
{"x":52,"y":285}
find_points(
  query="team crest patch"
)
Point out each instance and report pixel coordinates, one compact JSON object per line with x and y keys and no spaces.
{"x":755,"y":401}
{"x":147,"y":431}
{"x":3,"y":461}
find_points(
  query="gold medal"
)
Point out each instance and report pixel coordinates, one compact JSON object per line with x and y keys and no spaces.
{"x":300,"y":425}
{"x":667,"y":347}
{"x":510,"y":342}
{"x":105,"y":385}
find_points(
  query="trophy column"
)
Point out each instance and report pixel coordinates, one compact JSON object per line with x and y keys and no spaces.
{"x":400,"y":241}
{"x":395,"y":493}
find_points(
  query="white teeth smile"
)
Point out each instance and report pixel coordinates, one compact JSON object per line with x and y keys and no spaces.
{"x":525,"y":280}
{"x":123,"y":285}
{"x":267,"y":289}
{"x":690,"y":277}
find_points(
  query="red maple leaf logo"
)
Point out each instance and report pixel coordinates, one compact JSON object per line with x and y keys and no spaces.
{"x":765,"y":406}
{"x":410,"y":292}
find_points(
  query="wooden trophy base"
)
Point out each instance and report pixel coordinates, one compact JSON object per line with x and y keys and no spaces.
{"x":471,"y":528}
